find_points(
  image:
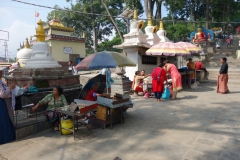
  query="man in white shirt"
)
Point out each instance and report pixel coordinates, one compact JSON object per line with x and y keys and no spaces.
{"x":71,"y":68}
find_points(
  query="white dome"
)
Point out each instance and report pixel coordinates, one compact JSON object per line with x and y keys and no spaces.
{"x":24,"y":55}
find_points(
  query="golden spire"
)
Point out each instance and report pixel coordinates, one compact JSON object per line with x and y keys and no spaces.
{"x":40,"y":33}
{"x":26,"y":44}
{"x":149,"y":19}
{"x":161,"y":26}
{"x":135,"y":14}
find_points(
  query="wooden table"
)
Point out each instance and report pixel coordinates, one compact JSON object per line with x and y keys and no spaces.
{"x":76,"y":115}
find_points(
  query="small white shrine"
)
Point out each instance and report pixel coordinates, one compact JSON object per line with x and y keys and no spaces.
{"x":162,"y":33}
{"x":24,"y":54}
{"x":151,"y":30}
{"x":41,"y":56}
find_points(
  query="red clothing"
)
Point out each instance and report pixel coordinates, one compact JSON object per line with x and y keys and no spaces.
{"x":199,"y":65}
{"x":158,"y":87}
{"x":139,"y":89}
{"x":91,"y":95}
{"x":228,"y":40}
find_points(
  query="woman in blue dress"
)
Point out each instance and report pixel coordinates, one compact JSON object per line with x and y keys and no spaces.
{"x":7,"y":131}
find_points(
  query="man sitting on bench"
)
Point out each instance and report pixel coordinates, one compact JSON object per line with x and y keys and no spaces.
{"x":199,"y":66}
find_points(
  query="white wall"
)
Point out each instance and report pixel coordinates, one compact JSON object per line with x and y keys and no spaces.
{"x":132,"y":54}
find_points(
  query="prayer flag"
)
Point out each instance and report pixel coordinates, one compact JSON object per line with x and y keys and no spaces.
{"x":36,"y":14}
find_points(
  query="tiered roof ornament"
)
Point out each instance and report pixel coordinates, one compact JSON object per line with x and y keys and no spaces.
{"x":57,"y":24}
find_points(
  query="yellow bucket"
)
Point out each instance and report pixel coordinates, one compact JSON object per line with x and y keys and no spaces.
{"x":66,"y":124}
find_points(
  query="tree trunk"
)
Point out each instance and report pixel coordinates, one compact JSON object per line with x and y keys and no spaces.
{"x":207,"y":14}
{"x":95,"y":39}
{"x":159,"y":10}
{"x":115,"y":25}
{"x":228,"y":11}
{"x":146,"y":7}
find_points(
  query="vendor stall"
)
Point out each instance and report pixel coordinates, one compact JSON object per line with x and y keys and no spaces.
{"x":77,"y":112}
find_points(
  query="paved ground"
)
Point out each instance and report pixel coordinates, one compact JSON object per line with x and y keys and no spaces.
{"x":200,"y":125}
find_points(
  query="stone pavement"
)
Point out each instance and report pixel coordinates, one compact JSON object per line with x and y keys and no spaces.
{"x":199,"y":125}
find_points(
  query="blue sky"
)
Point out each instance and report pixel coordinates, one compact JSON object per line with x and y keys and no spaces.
{"x":19,"y":20}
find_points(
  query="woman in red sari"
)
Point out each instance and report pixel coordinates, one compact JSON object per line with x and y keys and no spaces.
{"x":158,"y":78}
{"x":176,"y":77}
{"x":223,"y":77}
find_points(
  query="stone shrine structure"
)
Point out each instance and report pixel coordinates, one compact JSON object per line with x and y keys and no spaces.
{"x":24,"y":54}
{"x":136,"y":43}
{"x":64,"y":44}
{"x":41,"y":56}
{"x":42,"y":72}
{"x":151,"y":30}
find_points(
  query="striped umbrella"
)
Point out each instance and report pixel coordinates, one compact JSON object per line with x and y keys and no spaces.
{"x":167,"y":49}
{"x":104,"y":59}
{"x":190,"y":47}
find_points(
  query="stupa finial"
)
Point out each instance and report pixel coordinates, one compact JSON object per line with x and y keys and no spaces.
{"x":161,"y":26}
{"x":26,"y":44}
{"x":40,"y":33}
{"x":135,"y":14}
{"x":149,"y":19}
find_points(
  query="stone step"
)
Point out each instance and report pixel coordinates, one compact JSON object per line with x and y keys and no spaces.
{"x":230,"y":81}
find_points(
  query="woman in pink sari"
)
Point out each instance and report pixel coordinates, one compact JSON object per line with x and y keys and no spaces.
{"x":176,"y":77}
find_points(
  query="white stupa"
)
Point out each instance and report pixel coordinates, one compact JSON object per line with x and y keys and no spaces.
{"x":24,"y":54}
{"x":135,"y":36}
{"x":151,"y":30}
{"x":41,"y":56}
{"x":162,"y":33}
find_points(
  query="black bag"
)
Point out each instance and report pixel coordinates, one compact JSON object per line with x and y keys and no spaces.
{"x":51,"y":115}
{"x":18,"y":103}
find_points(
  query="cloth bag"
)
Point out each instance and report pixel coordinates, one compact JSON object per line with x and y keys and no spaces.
{"x":166,"y":94}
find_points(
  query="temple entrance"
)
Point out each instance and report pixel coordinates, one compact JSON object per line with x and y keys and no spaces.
{"x":73,"y":58}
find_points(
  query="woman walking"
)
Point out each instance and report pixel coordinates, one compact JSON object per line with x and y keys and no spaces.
{"x":223,"y":77}
{"x":158,"y":78}
{"x":176,"y":77}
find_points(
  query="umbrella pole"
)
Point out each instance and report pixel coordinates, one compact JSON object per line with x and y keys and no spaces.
{"x":106,"y":80}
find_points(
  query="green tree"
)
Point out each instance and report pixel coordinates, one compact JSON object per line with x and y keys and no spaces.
{"x":108,"y":45}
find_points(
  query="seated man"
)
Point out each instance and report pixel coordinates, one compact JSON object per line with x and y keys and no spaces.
{"x":191,"y":66}
{"x":199,"y":66}
{"x":92,"y":93}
